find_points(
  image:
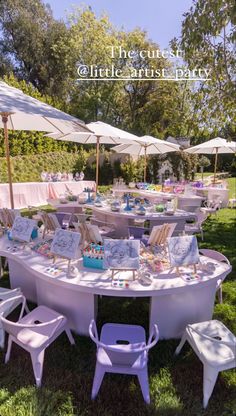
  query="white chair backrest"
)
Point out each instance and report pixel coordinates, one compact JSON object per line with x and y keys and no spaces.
{"x":9,"y":293}
{"x":14,"y":327}
{"x":214,"y":255}
{"x":7,"y":308}
{"x":9,"y":302}
{"x":126,"y":352}
{"x":201,"y":216}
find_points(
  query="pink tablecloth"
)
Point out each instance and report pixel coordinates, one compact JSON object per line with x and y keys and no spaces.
{"x":60,"y":188}
{"x":38,"y":193}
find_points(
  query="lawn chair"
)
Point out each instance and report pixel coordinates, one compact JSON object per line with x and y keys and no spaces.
{"x":34,"y":332}
{"x":122,"y":349}
{"x":6,"y":294}
{"x":106,"y":229}
{"x":219,"y":257}
{"x":196,"y":227}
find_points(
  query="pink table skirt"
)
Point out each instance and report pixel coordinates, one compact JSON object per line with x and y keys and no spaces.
{"x":38,"y":193}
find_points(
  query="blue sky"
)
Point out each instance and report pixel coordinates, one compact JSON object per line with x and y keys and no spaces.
{"x":160,"y":18}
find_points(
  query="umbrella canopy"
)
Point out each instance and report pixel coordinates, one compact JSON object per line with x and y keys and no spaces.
{"x":213,"y":147}
{"x":28,"y":113}
{"x":146,"y":145}
{"x":19,"y":111}
{"x":100,"y":133}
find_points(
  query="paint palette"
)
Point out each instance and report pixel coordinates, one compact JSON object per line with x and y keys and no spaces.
{"x":190,"y":277}
{"x":53,"y":270}
{"x":13,"y":249}
{"x":119,"y":282}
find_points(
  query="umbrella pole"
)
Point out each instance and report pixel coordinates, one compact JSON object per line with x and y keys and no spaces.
{"x":5,"y":120}
{"x":145,"y":163}
{"x":216,"y":157}
{"x":97,"y":163}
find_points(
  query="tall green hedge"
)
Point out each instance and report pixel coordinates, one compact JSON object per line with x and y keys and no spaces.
{"x":28,"y":168}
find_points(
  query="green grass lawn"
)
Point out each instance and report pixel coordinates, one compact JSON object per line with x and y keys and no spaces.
{"x":232,"y":187}
{"x":175,"y":383}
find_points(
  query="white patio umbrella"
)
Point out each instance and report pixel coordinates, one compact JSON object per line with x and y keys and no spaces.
{"x":19,"y":111}
{"x":101,"y":133}
{"x":213,"y":147}
{"x":146,"y":145}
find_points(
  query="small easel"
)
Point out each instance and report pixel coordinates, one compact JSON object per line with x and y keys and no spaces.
{"x":63,"y":258}
{"x":114,"y":271}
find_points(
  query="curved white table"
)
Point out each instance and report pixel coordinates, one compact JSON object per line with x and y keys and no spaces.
{"x":173,"y":302}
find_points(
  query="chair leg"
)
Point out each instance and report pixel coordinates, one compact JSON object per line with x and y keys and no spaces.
{"x":97,"y":380}
{"x":2,"y":337}
{"x":220,"y":296}
{"x":144,"y":384}
{"x":37,"y":362}
{"x":8,"y":353}
{"x":70,"y":336}
{"x":209,"y":380}
{"x":1,"y":267}
{"x":27,"y":308}
{"x":181,"y":344}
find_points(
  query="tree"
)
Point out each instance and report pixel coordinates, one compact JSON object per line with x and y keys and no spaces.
{"x":159,"y":108}
{"x":208,"y":41}
{"x":203,"y":162}
{"x":35,"y":45}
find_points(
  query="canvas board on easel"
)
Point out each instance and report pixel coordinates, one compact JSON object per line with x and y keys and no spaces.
{"x":160,"y":233}
{"x":66,"y":244}
{"x":22,"y":229}
{"x":183,"y":251}
{"x":121,"y":255}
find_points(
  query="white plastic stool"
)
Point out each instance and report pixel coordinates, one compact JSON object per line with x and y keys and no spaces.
{"x":215,"y":346}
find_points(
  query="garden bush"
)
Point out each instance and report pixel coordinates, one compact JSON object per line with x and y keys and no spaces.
{"x":28,"y":168}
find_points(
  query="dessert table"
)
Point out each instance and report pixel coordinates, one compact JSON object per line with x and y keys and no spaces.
{"x":174,"y":302}
{"x":37,"y":193}
{"x":122,"y":220}
{"x":184,"y":200}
